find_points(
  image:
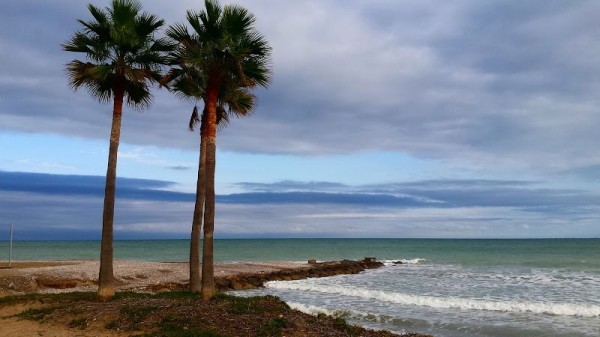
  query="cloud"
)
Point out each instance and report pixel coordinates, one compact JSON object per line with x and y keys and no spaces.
{"x":508,"y":84}
{"x":427,"y":193}
{"x":179,"y":167}
{"x":47,"y":206}
{"x":483,"y":87}
{"x":88,"y":186}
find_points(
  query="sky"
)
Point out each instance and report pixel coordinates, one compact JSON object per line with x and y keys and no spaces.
{"x":384,"y":119}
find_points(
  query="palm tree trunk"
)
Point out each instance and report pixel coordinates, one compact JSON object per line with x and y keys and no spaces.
{"x":195,"y":285}
{"x":208,"y":273}
{"x":105,"y":280}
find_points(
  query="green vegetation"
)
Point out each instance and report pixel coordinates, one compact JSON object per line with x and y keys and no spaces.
{"x":180,"y":327}
{"x":112,"y":325}
{"x":351,"y":330}
{"x":44,"y":298}
{"x":183,"y":314}
{"x":137,"y":314}
{"x":245,"y":305}
{"x":273,"y":328}
{"x":37,"y":314}
{"x":78,"y":323}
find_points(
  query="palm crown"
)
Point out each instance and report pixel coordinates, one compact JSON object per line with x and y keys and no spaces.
{"x":121,"y":50}
{"x":224,"y":48}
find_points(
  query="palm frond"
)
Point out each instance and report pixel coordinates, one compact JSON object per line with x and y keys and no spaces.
{"x":241,"y":103}
{"x":138,"y":95}
{"x":223,"y":46}
{"x":119,"y":46}
{"x":178,"y":32}
{"x":194,"y":118}
{"x":238,"y":21}
{"x":222,"y":117}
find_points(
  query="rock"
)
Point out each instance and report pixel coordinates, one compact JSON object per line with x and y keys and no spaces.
{"x":322,"y":269}
{"x":397,"y":262}
{"x":312,"y":261}
{"x":236,"y":285}
{"x":12,"y":286}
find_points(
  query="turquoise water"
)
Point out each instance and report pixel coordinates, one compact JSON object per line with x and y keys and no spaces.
{"x":448,"y":288}
{"x":560,"y":253}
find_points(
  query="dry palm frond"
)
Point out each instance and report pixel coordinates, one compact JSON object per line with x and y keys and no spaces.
{"x":194,"y":119}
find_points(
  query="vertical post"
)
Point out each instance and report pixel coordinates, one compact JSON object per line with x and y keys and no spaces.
{"x":10,"y":246}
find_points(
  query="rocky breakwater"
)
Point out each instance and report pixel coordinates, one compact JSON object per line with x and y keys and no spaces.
{"x":313,"y":269}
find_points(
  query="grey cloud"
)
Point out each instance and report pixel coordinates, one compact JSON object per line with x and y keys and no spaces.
{"x":586,"y":172}
{"x":291,"y":186}
{"x":507,"y":84}
{"x":46,"y":206}
{"x":179,"y":167}
{"x":39,"y":216}
{"x":530,"y":196}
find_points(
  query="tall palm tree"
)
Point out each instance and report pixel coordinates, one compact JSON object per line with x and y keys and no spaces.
{"x":227,"y":50}
{"x":234,"y":100}
{"x":123,"y":58}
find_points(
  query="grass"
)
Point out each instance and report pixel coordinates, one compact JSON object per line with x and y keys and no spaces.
{"x":136,"y":314}
{"x":112,"y":325}
{"x":351,"y":330}
{"x":182,"y":314}
{"x":172,"y":326}
{"x":78,"y":323}
{"x":273,"y":328}
{"x":175,"y":330}
{"x":246,"y":305}
{"x":37,"y":314}
{"x":174,"y":295}
{"x":43,"y":298}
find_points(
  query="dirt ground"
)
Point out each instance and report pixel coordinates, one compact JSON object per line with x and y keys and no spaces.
{"x":76,"y":275}
{"x":13,"y":326}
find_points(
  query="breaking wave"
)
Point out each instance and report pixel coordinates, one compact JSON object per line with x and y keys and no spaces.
{"x":561,"y":309}
{"x":405,"y":261}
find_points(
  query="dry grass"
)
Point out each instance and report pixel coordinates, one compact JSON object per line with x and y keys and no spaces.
{"x":178,"y":314}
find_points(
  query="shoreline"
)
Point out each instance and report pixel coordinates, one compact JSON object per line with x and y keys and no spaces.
{"x":82,"y":275}
{"x":41,"y":308}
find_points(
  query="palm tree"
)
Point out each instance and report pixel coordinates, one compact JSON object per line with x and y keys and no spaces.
{"x":123,"y":58}
{"x":227,"y":51}
{"x":234,"y":100}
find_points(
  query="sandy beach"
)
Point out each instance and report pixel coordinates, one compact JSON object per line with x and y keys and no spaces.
{"x":82,"y":275}
{"x":46,"y":316}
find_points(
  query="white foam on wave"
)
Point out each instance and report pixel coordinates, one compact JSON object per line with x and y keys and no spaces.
{"x":314,"y":310}
{"x":404,"y":261}
{"x":561,"y":309}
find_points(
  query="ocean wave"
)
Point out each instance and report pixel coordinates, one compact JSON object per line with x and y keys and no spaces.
{"x":560,"y":309}
{"x":404,"y":261}
{"x":357,"y":315}
{"x":314,"y":310}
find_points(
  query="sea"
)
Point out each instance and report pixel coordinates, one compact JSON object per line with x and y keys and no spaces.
{"x":446,"y":288}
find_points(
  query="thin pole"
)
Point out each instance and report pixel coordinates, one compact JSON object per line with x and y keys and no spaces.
{"x":10,"y":246}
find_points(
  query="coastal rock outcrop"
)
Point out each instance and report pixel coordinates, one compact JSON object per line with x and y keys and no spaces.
{"x":314,"y":269}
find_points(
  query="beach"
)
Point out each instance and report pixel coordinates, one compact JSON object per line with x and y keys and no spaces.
{"x":82,"y":275}
{"x":450,"y":288}
{"x":40,"y":311}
